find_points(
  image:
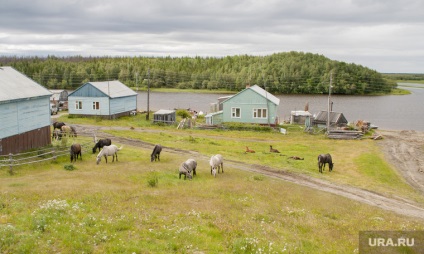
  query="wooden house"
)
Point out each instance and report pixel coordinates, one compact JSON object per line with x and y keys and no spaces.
{"x":24,"y":113}
{"x":164,"y":116}
{"x":336,"y":119}
{"x":251,"y":105}
{"x":108,"y":99}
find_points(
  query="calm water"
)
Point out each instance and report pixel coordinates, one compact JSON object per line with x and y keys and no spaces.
{"x":392,"y":112}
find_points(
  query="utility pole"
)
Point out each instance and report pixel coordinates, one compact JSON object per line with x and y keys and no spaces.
{"x":148,"y":94}
{"x":329,"y":102}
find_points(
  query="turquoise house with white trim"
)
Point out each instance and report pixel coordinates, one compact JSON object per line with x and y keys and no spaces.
{"x":252,"y":105}
{"x":108,"y":99}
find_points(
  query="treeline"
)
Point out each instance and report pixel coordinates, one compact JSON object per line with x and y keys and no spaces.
{"x":404,"y":76}
{"x":285,"y":73}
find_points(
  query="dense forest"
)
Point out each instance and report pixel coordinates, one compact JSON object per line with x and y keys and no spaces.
{"x":283,"y":73}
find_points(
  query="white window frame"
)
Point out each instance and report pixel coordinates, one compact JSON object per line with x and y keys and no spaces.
{"x":260,"y":113}
{"x":78,"y":105}
{"x":234,"y":113}
{"x":96,"y":105}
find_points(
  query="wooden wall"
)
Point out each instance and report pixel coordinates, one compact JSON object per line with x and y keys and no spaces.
{"x":25,"y":141}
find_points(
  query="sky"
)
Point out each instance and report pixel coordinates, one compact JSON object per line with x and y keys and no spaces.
{"x":383,"y":35}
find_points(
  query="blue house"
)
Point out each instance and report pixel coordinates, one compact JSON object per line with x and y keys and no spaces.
{"x":251,"y":105}
{"x":108,"y":99}
{"x":24,"y":113}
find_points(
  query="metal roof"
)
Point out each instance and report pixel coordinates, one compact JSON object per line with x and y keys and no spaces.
{"x":164,"y":112}
{"x":15,"y":85}
{"x":113,"y":89}
{"x":261,"y":92}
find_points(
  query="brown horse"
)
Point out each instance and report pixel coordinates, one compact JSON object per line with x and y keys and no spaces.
{"x":75,"y":151}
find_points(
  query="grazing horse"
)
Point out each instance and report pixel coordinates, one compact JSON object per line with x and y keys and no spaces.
{"x":216,"y":162}
{"x":273,"y":150}
{"x":101,"y":143}
{"x":187,"y":167}
{"x":156,"y":153}
{"x":106,"y":151}
{"x":75,"y":151}
{"x":57,"y":134}
{"x":67,"y":131}
{"x":74,"y":131}
{"x":58,"y":125}
{"x":322,"y":160}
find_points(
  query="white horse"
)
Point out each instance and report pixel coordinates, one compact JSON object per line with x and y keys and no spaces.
{"x":216,"y":162}
{"x":111,"y":150}
{"x":187,"y":167}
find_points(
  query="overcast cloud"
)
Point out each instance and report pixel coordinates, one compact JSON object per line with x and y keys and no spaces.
{"x":384,"y":35}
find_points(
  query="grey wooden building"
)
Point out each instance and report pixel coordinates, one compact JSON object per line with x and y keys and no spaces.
{"x":108,"y":99}
{"x":164,"y":116}
{"x":336,"y":119}
{"x":24,"y":113}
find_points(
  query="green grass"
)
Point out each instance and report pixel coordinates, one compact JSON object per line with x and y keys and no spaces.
{"x":135,"y":206}
{"x":111,"y":208}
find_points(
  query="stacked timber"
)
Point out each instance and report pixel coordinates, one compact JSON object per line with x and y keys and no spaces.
{"x":344,"y":134}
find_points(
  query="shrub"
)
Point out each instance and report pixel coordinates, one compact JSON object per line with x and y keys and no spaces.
{"x":183,"y":113}
{"x":69,"y":167}
{"x":152,"y":179}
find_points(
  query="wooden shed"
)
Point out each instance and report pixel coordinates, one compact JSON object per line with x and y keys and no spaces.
{"x":164,"y":116}
{"x":252,"y":105}
{"x":108,"y":99}
{"x":24,"y":113}
{"x":299,"y":116}
{"x":336,"y":119}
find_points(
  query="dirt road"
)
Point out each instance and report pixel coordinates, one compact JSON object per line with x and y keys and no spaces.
{"x":407,"y":158}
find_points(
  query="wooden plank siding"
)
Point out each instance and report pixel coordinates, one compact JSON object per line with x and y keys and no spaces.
{"x":247,"y":101}
{"x":21,"y":116}
{"x":25,"y":141}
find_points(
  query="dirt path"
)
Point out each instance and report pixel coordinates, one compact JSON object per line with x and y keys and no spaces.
{"x":395,"y":147}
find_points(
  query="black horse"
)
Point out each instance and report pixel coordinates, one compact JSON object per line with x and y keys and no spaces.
{"x":156,"y":153}
{"x":58,"y":125}
{"x":101,"y":143}
{"x":322,"y":160}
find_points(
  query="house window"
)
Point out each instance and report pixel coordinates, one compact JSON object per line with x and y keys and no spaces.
{"x":259,"y":113}
{"x":78,"y":104}
{"x":96,"y":105}
{"x":235,"y":112}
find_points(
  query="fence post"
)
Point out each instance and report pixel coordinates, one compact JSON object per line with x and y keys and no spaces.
{"x":54,"y":155}
{"x":10,"y":163}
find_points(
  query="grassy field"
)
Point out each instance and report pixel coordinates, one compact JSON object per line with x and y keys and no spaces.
{"x":135,"y":206}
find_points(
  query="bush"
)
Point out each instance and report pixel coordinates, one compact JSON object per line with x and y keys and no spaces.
{"x":183,"y":113}
{"x":69,"y":167}
{"x":247,"y":127}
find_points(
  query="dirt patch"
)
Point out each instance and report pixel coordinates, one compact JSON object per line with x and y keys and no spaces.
{"x":403,"y":149}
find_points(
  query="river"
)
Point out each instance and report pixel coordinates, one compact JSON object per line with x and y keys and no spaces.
{"x":389,"y":112}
